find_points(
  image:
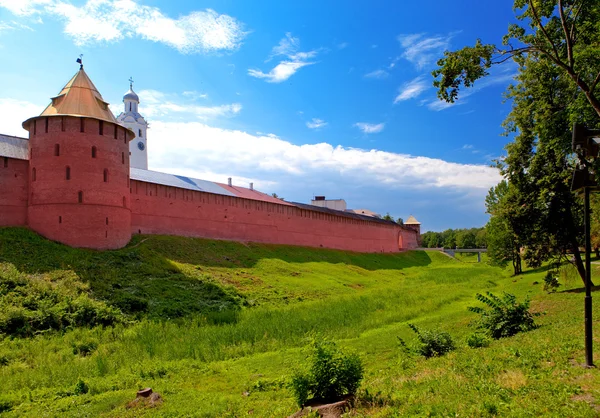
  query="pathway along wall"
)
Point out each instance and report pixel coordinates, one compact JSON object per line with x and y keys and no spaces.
{"x":158,"y":209}
{"x":13,"y":193}
{"x":79,"y":181}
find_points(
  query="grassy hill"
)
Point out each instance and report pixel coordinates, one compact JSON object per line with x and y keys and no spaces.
{"x":218,"y":327}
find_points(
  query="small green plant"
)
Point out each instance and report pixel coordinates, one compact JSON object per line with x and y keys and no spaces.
{"x":505,"y":316}
{"x":550,"y":282}
{"x":431,"y":343}
{"x":478,"y":340}
{"x":84,"y":347}
{"x":332,"y":375}
{"x":81,"y":388}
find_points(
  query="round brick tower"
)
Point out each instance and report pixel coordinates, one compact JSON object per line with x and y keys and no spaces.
{"x":79,"y":170}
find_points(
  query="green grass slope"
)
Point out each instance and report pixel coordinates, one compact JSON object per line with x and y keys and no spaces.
{"x":218,"y":327}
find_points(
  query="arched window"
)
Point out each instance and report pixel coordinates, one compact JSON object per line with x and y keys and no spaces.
{"x":60,"y":219}
{"x":82,"y":125}
{"x":140,"y":133}
{"x":33,"y":174}
{"x":6,"y":165}
{"x":105,"y":175}
{"x":106,"y":221}
{"x":56,"y":150}
{"x":68,"y":173}
{"x":46,"y":127}
{"x":101,"y":128}
{"x":130,"y":106}
{"x":93,"y":152}
{"x":80,"y":196}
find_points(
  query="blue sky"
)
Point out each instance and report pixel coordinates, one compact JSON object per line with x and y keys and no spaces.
{"x":302,"y":98}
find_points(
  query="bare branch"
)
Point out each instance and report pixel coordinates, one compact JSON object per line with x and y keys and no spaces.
{"x":543,"y":29}
{"x":563,"y":22}
{"x":595,"y":83}
{"x":572,"y":31}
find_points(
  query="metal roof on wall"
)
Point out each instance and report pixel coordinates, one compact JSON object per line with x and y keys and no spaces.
{"x":182,"y":182}
{"x":14,"y":147}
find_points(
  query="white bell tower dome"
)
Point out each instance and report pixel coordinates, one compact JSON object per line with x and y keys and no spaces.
{"x":130,"y":118}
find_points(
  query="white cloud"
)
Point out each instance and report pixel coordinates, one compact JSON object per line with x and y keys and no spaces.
{"x":288,"y":48}
{"x":156,"y":104}
{"x":113,"y":20}
{"x":412,"y":89}
{"x":467,"y":146}
{"x":369,"y":128}
{"x":422,"y":50}
{"x":14,"y":112}
{"x":271,"y":157}
{"x":316,"y":123}
{"x":377,"y":74}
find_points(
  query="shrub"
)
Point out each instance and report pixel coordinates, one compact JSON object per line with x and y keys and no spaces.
{"x":81,"y":388}
{"x":550,"y":282}
{"x":505,"y":316}
{"x":84,"y":347}
{"x":431,"y":343}
{"x":477,"y":340}
{"x":332,"y":375}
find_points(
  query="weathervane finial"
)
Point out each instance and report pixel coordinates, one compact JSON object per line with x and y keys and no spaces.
{"x":80,"y":61}
{"x":131,"y":83}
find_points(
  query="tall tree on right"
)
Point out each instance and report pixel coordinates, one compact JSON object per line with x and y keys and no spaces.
{"x":556,"y":46}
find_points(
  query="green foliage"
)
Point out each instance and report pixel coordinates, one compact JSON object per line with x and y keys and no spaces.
{"x":332,"y":375}
{"x":505,"y":316}
{"x":81,"y":388}
{"x":478,"y":340}
{"x":430,"y":343}
{"x":29,"y":305}
{"x":84,"y":347}
{"x":451,"y":238}
{"x":551,"y":282}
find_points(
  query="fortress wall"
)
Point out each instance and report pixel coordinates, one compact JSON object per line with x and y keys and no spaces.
{"x":13,"y":191}
{"x":158,"y":209}
{"x":79,"y":182}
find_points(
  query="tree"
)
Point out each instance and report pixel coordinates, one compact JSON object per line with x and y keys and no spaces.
{"x":502,"y":240}
{"x":556,"y":85}
{"x":388,"y":217}
{"x":562,"y":32}
{"x":481,"y":238}
{"x":465,"y":238}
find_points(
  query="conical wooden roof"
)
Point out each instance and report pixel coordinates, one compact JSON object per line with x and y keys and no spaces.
{"x":412,"y":221}
{"x":79,"y":97}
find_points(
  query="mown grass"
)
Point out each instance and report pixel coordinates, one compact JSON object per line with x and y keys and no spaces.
{"x":246,"y":312}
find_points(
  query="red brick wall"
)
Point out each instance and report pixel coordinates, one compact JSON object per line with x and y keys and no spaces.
{"x":158,"y":209}
{"x":103,"y":217}
{"x":13,"y":191}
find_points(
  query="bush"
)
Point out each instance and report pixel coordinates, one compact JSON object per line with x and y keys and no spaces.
{"x":332,"y":375}
{"x":505,"y":316}
{"x":431,"y":343}
{"x":477,"y":340}
{"x":81,"y":388}
{"x":550,"y":282}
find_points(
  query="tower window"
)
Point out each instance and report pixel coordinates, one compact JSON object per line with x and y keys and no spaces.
{"x":122,"y":158}
{"x":101,"y":128}
{"x":82,"y":125}
{"x":60,"y":219}
{"x":130,"y":107}
{"x":106,"y":221}
{"x":6,"y":164}
{"x":140,"y":133}
{"x":56,"y":150}
{"x":35,"y":127}
{"x":46,"y":127}
{"x":124,"y":202}
{"x":33,"y":174}
{"x":62,"y":124}
{"x":105,"y":175}
{"x":93,"y":152}
{"x":116,"y":131}
{"x":80,"y":196}
{"x":68,"y":173}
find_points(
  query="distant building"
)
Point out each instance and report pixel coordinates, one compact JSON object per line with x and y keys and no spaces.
{"x":365,"y":212}
{"x":335,"y":204}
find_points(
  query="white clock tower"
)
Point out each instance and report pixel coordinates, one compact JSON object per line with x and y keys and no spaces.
{"x":131,"y":119}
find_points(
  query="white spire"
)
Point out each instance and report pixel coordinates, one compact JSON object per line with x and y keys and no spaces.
{"x":131,"y":119}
